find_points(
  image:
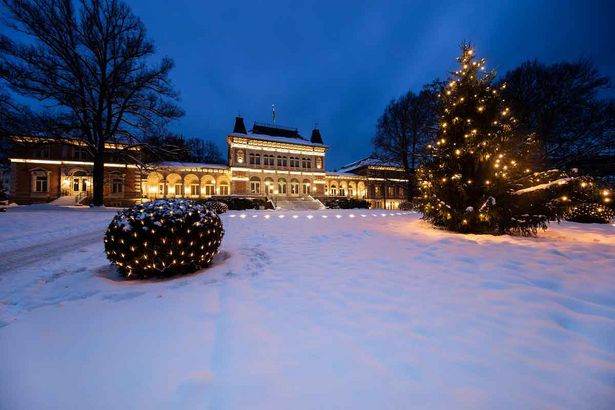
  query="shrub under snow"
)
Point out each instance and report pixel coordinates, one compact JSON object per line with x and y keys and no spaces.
{"x":163,"y":238}
{"x":217,"y":206}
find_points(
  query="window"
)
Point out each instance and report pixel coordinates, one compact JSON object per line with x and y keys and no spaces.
{"x":269,"y":186}
{"x":41,"y":184}
{"x":255,"y":159}
{"x":306,"y":163}
{"x":319,"y":162}
{"x":333,"y":190}
{"x":282,"y":161}
{"x":255,"y":185}
{"x":194,"y":189}
{"x":350,"y":191}
{"x":209,"y":189}
{"x":240,"y":155}
{"x":294,"y":187}
{"x":342,"y":191}
{"x":161,"y":189}
{"x":224,"y":188}
{"x":41,"y":152}
{"x":294,"y":162}
{"x":179,"y":189}
{"x":391,"y":191}
{"x":378,"y":190}
{"x":268,"y":160}
{"x":117,"y":185}
{"x":80,"y":153}
{"x":306,"y":187}
{"x":281,"y":186}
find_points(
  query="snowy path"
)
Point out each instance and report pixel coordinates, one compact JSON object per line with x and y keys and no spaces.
{"x":40,"y":252}
{"x":338,"y":312}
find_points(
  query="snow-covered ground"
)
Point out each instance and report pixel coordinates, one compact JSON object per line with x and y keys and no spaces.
{"x":329,"y":309}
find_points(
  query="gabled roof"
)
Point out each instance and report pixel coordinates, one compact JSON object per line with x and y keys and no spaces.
{"x":367,"y":162}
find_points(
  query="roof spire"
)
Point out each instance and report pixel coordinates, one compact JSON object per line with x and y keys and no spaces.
{"x":240,"y":127}
{"x":316,"y":137}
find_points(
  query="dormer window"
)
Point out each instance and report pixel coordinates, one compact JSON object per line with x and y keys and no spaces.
{"x":41,"y":152}
{"x":80,"y":153}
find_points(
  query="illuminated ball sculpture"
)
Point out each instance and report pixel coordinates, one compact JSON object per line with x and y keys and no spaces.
{"x":217,"y":206}
{"x":163,"y":238}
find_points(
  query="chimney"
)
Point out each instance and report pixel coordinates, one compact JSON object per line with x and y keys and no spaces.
{"x":316,"y":138}
{"x":240,"y":127}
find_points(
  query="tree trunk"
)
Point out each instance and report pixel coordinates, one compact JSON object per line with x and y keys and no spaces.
{"x":98,"y":177}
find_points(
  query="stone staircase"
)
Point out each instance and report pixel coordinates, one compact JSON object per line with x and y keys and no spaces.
{"x":68,"y":200}
{"x":304,"y":203}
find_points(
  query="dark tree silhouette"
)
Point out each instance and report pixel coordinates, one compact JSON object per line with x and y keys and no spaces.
{"x":559,"y":104}
{"x":89,"y":59}
{"x":407,"y":124}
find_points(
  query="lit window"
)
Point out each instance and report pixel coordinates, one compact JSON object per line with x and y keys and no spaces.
{"x":255,"y":185}
{"x":194,"y":189}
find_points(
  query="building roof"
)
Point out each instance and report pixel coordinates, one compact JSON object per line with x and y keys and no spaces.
{"x":367,"y":162}
{"x":272,"y":138}
{"x":174,"y":164}
{"x":275,"y":130}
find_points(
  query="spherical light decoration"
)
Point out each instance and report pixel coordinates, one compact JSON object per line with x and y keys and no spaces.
{"x":163,"y":238}
{"x":217,"y":206}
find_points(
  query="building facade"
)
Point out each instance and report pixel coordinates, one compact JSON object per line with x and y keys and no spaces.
{"x":268,"y":161}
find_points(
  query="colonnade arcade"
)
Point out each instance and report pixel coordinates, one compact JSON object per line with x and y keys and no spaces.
{"x":280,"y":186}
{"x":162,"y":184}
{"x":346,"y":188}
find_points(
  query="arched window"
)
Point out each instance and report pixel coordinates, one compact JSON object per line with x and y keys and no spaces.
{"x":282,"y":186}
{"x":294,"y":186}
{"x":333,"y":189}
{"x":224,"y":188}
{"x":208,"y":185}
{"x":255,"y":159}
{"x":306,"y":187}
{"x":269,"y":186}
{"x":255,"y":185}
{"x":342,"y":191}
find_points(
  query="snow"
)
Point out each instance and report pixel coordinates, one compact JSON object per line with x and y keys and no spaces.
{"x":367,"y":162}
{"x":559,"y":181}
{"x":323,"y":309}
{"x":191,"y":165}
{"x":273,"y":138}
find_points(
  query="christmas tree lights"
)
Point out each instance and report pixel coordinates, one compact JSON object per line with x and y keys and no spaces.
{"x":163,"y":238}
{"x":478,"y":160}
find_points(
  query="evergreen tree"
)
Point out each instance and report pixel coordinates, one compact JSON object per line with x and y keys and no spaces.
{"x":478,"y":160}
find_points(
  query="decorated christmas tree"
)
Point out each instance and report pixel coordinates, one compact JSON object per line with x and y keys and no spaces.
{"x":479,"y":160}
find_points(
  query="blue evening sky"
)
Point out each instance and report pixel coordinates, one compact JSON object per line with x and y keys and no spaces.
{"x":338,"y":63}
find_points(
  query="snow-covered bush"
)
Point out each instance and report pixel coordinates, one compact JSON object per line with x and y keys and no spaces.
{"x":406,"y":206}
{"x":590,"y":213}
{"x":217,"y":206}
{"x":163,"y":238}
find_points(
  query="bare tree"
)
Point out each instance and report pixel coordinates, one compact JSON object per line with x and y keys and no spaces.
{"x":89,"y":59}
{"x":559,"y":104}
{"x":204,"y":151}
{"x":406,"y":125}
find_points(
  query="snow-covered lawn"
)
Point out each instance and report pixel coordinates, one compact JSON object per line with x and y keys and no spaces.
{"x":330,"y":309}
